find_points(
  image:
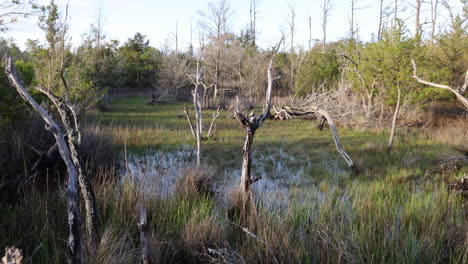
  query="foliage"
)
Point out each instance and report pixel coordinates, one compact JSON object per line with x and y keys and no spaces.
{"x":318,"y":71}
{"x":141,"y":62}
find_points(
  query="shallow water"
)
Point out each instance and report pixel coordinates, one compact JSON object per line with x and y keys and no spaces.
{"x":282,"y":176}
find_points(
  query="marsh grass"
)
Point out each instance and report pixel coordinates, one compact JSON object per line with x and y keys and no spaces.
{"x":397,"y":210}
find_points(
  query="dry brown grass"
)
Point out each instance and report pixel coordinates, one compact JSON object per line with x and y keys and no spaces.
{"x":453,"y":132}
{"x":194,"y":181}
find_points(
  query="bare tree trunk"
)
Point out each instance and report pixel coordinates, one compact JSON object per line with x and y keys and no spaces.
{"x":75,"y":241}
{"x":336,"y":138}
{"x":70,"y":121}
{"x":326,"y":7}
{"x":417,"y":29}
{"x":251,"y":124}
{"x":351,"y":20}
{"x":292,"y":27}
{"x":143,"y":228}
{"x":395,"y":115}
{"x":434,"y":13}
{"x":198,"y":113}
{"x":215,"y":116}
{"x":381,"y":15}
{"x":189,"y":120}
{"x":253,"y":21}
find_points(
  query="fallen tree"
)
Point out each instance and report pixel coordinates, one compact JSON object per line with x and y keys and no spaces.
{"x":286,"y":113}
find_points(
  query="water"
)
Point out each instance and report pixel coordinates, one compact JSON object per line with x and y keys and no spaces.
{"x":283,"y":175}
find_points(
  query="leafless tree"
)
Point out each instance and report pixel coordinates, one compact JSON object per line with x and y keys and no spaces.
{"x":434,"y":13}
{"x":216,"y":24}
{"x":198,"y":132}
{"x":368,"y":88}
{"x":173,"y":75}
{"x":417,"y":28}
{"x":326,"y":8}
{"x":253,"y":19}
{"x":75,"y":241}
{"x":458,"y":92}
{"x":292,"y":32}
{"x":250,"y":125}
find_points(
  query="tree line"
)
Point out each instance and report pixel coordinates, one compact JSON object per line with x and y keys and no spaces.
{"x":234,"y":64}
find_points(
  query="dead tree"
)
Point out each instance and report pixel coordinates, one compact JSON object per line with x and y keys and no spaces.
{"x":285,"y":113}
{"x":336,"y":138}
{"x":75,"y":240}
{"x":69,"y":116}
{"x":198,"y":111}
{"x":395,"y":115}
{"x":326,"y":7}
{"x":367,"y":87}
{"x":418,"y":28}
{"x":197,"y":132}
{"x":434,"y":13}
{"x":250,"y":125}
{"x":459,"y":92}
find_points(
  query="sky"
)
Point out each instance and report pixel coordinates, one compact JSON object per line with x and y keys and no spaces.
{"x":157,"y":19}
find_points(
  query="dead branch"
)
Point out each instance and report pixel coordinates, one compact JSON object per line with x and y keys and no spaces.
{"x":189,"y":120}
{"x":215,"y":116}
{"x":75,"y":240}
{"x":392,"y":133}
{"x":458,"y":92}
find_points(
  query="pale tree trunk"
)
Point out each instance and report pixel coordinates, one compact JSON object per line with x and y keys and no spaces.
{"x":381,"y":17}
{"x":434,"y":4}
{"x":458,"y":92}
{"x":250,"y":125}
{"x":198,"y":113}
{"x":75,"y":240}
{"x":70,"y":121}
{"x":326,"y":7}
{"x":292,"y":27}
{"x":395,"y":115}
{"x":417,"y":29}
{"x":144,"y":239}
{"x":336,"y":138}
{"x":395,"y":13}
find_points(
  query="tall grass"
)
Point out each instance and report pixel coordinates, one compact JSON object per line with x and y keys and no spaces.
{"x":398,"y":210}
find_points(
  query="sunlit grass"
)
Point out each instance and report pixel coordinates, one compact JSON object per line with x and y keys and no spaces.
{"x":398,"y":209}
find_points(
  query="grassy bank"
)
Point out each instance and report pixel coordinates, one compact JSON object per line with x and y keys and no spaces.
{"x":397,"y":210}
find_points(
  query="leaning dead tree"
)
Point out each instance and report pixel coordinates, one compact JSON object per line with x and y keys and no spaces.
{"x":325,"y":116}
{"x":315,"y":110}
{"x":459,"y":92}
{"x":69,"y":117}
{"x":75,"y":240}
{"x":250,"y":125}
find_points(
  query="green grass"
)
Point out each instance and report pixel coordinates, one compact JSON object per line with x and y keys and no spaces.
{"x":397,"y":210}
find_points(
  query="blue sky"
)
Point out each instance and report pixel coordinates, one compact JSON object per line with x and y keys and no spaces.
{"x":157,"y":19}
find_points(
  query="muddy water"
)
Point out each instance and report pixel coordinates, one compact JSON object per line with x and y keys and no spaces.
{"x":283,"y":175}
